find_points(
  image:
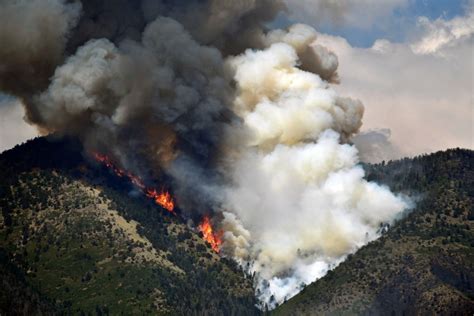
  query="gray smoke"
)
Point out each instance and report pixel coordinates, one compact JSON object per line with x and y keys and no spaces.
{"x":241,"y":120}
{"x":375,"y":146}
{"x":33,"y":35}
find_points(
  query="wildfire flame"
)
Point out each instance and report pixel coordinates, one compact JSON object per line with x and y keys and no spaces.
{"x":163,"y":198}
{"x":212,"y":238}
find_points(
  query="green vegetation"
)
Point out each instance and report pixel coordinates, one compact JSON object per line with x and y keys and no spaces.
{"x":74,"y":241}
{"x":424,"y":264}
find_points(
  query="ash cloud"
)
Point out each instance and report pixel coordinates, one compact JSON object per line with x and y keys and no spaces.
{"x":241,"y":121}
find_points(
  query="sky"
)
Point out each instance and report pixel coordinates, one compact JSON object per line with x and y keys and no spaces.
{"x":409,"y":61}
{"x":13,"y":129}
{"x":362,"y":22}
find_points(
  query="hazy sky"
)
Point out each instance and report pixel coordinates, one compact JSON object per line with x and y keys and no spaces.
{"x":13,"y":129}
{"x":409,"y":61}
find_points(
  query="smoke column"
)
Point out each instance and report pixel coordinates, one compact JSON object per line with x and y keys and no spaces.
{"x":240,"y":120}
{"x":298,"y":190}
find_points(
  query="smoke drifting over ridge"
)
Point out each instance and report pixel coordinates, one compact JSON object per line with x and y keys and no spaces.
{"x":242,"y":120}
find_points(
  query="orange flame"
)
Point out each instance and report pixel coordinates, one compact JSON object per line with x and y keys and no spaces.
{"x":164,"y":199}
{"x":212,"y":238}
{"x":108,"y":163}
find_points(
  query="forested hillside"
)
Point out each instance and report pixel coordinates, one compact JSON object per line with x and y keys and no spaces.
{"x":75,"y":239}
{"x":424,"y":264}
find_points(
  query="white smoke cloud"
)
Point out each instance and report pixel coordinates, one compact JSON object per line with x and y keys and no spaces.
{"x":313,"y":57}
{"x":297,"y":187}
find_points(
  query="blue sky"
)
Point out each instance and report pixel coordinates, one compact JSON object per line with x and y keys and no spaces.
{"x":403,"y":20}
{"x":396,"y":27}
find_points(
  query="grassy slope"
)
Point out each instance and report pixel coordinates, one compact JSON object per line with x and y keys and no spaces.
{"x":424,"y":264}
{"x":72,"y":240}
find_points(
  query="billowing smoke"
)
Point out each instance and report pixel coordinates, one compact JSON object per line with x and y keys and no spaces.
{"x":297,"y":188}
{"x":240,"y":121}
{"x":33,"y":36}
